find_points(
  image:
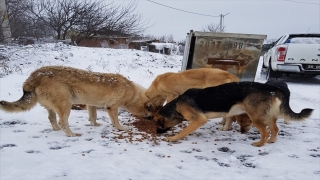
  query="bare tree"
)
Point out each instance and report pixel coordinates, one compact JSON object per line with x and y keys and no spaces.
{"x":213,"y":28}
{"x":22,"y":24}
{"x":86,"y":18}
{"x":163,"y":38}
{"x":166,"y":38}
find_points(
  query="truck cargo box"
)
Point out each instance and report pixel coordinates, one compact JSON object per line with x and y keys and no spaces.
{"x":236,"y":53}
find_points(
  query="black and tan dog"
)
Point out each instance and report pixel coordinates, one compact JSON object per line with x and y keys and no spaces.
{"x":244,"y":120}
{"x":263,"y":103}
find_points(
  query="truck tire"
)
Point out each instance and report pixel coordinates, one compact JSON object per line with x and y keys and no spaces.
{"x":271,"y":74}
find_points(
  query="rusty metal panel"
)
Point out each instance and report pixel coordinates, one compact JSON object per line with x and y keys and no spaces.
{"x":236,"y":53}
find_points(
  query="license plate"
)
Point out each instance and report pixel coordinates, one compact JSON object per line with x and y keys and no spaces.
{"x":313,"y":66}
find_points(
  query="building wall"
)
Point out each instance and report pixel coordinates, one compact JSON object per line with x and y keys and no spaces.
{"x":104,"y":42}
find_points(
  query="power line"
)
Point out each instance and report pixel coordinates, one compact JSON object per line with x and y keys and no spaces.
{"x":182,"y":10}
{"x":301,"y":2}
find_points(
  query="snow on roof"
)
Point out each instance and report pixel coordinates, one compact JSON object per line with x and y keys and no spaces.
{"x":160,"y":46}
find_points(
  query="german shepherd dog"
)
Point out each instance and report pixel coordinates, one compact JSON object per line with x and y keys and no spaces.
{"x":168,"y":86}
{"x":244,"y":120}
{"x":263,"y":103}
{"x":56,"y":88}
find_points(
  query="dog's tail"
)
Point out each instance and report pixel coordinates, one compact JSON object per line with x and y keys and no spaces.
{"x":291,"y":115}
{"x":26,"y":102}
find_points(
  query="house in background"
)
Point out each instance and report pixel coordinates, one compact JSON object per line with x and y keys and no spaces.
{"x":141,"y":44}
{"x":165,"y":48}
{"x":106,"y":42}
{"x":115,"y":40}
{"x":108,"y":39}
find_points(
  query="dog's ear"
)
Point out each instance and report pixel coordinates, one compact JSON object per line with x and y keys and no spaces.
{"x":160,"y":122}
{"x":150,"y":107}
{"x":158,"y":100}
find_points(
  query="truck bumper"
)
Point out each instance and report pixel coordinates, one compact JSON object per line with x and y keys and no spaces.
{"x":296,"y":68}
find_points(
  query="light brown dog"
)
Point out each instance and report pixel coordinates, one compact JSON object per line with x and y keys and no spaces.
{"x":56,"y":88}
{"x":243,"y":120}
{"x":168,"y":86}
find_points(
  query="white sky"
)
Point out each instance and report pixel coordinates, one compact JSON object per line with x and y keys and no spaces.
{"x":270,"y":17}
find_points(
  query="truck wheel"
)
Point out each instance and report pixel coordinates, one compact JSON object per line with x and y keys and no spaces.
{"x":271,"y":74}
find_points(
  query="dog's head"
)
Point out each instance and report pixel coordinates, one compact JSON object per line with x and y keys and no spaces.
{"x":155,"y":94}
{"x":140,"y":105}
{"x":165,"y":123}
{"x":155,"y":99}
{"x":148,"y":110}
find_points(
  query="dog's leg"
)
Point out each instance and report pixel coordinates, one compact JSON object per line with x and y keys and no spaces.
{"x":171,"y":97}
{"x":92,"y":111}
{"x":195,"y":123}
{"x":274,"y":131}
{"x":227,"y":125}
{"x":63,"y":112}
{"x":53,"y":120}
{"x":263,"y":132}
{"x":113,"y":114}
{"x":223,"y":121}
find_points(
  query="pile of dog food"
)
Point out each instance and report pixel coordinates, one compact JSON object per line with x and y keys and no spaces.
{"x":144,"y":131}
{"x":146,"y":126}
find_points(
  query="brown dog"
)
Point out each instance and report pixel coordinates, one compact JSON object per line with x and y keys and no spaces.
{"x":263,"y":103}
{"x":56,"y":88}
{"x":169,"y":86}
{"x":243,"y":120}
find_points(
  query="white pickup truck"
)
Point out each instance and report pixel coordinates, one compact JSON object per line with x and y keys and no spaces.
{"x":293,"y":54}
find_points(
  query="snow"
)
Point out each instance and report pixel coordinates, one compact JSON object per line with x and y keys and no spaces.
{"x":29,"y":149}
{"x":301,"y":40}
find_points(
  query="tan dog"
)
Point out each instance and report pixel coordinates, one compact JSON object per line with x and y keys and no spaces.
{"x":243,"y":120}
{"x":169,"y":86}
{"x":56,"y":88}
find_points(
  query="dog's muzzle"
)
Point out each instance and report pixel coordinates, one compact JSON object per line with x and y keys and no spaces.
{"x":148,"y":118}
{"x":162,"y":130}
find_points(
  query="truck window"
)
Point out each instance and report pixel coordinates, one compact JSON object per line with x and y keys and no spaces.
{"x":276,"y":42}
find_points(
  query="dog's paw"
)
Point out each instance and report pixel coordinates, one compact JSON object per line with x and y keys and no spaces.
{"x":123,"y":128}
{"x":172,"y":139}
{"x":257,"y":144}
{"x":73,"y":134}
{"x":271,"y":140}
{"x":224,"y":129}
{"x":95,"y":124}
{"x":57,"y":128}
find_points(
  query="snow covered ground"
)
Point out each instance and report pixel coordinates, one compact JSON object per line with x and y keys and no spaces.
{"x":29,"y":149}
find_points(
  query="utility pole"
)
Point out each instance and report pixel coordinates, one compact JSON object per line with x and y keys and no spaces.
{"x":4,"y":20}
{"x":222,"y":20}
